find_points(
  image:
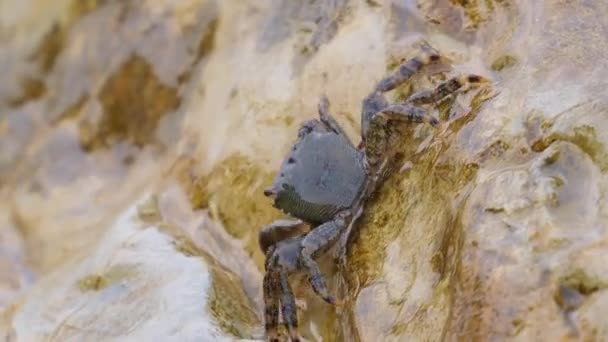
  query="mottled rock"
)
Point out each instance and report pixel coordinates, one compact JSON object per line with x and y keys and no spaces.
{"x":135,"y":139}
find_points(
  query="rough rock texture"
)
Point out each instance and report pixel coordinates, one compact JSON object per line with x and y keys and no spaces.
{"x":136,"y":136}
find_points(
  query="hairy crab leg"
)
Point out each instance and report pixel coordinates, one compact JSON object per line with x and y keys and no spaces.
{"x":408,"y":69}
{"x":319,"y":240}
{"x":271,"y":305}
{"x":407,"y":113}
{"x":329,"y":121}
{"x":288,"y":307}
{"x":280,"y":230}
{"x":373,"y":131}
{"x":377,"y":139}
{"x":446,"y":88}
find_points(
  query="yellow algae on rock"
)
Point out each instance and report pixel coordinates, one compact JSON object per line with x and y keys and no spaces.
{"x":234,"y":194}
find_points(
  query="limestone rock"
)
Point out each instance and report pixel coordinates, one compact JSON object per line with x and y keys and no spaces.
{"x":135,"y":139}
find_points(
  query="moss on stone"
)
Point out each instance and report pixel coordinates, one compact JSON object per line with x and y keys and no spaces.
{"x":81,"y":8}
{"x":584,"y":137}
{"x":32,"y":89}
{"x":230,"y":306}
{"x":50,"y":46}
{"x":92,"y":282}
{"x":73,"y":110}
{"x":100,"y":281}
{"x":504,"y":61}
{"x":233,"y":192}
{"x":133,"y":100}
{"x":227,"y":301}
{"x":148,"y":210}
{"x":583,"y":282}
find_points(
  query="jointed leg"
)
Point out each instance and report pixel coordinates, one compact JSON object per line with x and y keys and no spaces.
{"x":377,"y":135}
{"x":328,"y":120}
{"x":288,"y":307}
{"x":376,"y":102}
{"x":445,"y":89}
{"x":408,"y":69}
{"x":407,"y":113}
{"x":271,"y":305}
{"x":280,"y":230}
{"x":318,"y":240}
{"x":310,"y":126}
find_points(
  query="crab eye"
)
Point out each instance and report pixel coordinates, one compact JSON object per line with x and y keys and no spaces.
{"x":434,"y":58}
{"x":270,"y":192}
{"x":291,"y":161}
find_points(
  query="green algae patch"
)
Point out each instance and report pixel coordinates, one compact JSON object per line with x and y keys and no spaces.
{"x":53,"y":41}
{"x":81,"y":8}
{"x":233,"y":193}
{"x":230,"y":305}
{"x":381,"y":224}
{"x":181,"y":241}
{"x":100,"y":281}
{"x":32,"y":89}
{"x":92,"y":282}
{"x":73,"y":110}
{"x":227,"y":301}
{"x":477,"y":12}
{"x":471,"y":11}
{"x":503,"y":62}
{"x":584,"y":137}
{"x":49,"y":48}
{"x":207,"y":41}
{"x":133,"y":100}
{"x":583,"y":282}
{"x":409,"y":201}
{"x":419,"y":211}
{"x":148,"y":210}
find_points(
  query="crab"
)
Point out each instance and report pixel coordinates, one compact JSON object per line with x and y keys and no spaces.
{"x":325,"y":181}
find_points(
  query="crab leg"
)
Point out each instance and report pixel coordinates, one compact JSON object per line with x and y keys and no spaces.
{"x":445,"y":89}
{"x":271,"y":305}
{"x":377,"y":138}
{"x":288,"y":307}
{"x":317,"y":241}
{"x":406,"y":70}
{"x":407,"y":113}
{"x":329,"y":121}
{"x":280,"y":230}
{"x":372,"y":130}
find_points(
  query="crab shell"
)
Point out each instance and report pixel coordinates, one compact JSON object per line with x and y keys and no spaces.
{"x":323,"y":175}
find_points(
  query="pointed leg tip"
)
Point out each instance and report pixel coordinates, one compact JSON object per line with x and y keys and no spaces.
{"x":339,"y":302}
{"x":476,"y":79}
{"x":433,"y":121}
{"x":323,"y":104}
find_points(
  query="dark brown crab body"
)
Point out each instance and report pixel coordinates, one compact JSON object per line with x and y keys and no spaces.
{"x":325,"y":180}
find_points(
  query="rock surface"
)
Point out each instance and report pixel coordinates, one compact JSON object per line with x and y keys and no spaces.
{"x":136,"y":137}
